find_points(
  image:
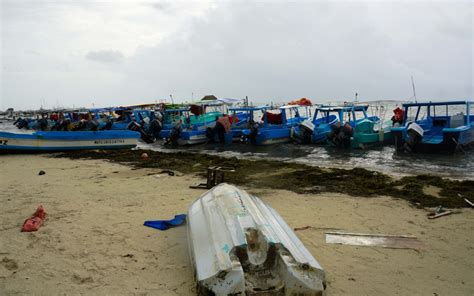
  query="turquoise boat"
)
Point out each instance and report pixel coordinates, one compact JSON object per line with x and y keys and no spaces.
{"x":347,"y":126}
{"x":188,"y":126}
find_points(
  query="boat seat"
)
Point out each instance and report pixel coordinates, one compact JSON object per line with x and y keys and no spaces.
{"x":456,"y":120}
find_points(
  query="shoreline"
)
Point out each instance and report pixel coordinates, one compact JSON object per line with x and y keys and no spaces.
{"x":420,"y":190}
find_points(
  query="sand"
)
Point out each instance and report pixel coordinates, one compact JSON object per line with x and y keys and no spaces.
{"x":93,"y":241}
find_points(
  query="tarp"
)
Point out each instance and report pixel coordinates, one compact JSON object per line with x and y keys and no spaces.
{"x":166,"y":224}
{"x":301,"y":102}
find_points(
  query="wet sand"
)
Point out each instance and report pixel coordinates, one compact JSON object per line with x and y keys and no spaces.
{"x":420,"y":190}
{"x":94,"y":243}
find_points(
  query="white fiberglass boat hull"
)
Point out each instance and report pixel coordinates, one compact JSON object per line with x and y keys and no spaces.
{"x":241,"y":246}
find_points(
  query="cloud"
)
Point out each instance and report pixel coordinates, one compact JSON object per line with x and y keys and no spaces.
{"x":326,"y":51}
{"x":270,"y":51}
{"x":105,"y":56}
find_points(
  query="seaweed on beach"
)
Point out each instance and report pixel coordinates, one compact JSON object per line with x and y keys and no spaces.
{"x":299,"y":178}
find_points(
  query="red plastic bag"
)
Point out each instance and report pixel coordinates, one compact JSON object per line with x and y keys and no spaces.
{"x":34,"y":223}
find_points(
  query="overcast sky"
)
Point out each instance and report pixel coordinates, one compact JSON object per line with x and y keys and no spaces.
{"x":65,"y":53}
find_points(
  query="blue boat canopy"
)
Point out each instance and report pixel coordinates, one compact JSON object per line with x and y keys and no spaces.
{"x":421,"y":104}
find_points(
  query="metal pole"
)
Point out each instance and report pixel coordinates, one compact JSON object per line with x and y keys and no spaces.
{"x":413,"y":85}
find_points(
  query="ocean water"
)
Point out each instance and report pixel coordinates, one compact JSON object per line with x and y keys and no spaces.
{"x":384,"y":159}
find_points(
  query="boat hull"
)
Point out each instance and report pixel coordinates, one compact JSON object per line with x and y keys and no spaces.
{"x":366,"y":140}
{"x":64,"y":141}
{"x":241,"y":246}
{"x":450,"y":141}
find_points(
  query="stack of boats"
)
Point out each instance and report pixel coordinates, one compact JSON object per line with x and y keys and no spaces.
{"x":424,"y":127}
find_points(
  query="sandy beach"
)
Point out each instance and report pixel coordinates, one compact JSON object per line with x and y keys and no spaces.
{"x":93,"y":241}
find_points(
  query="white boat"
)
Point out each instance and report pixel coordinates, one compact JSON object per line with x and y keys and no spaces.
{"x":64,"y":141}
{"x":241,"y":246}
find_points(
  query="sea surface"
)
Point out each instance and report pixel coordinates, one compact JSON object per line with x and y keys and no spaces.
{"x":384,"y":159}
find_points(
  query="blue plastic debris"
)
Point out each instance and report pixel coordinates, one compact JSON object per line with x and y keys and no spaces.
{"x":166,"y":224}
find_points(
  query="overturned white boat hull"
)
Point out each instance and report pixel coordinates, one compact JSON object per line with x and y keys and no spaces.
{"x":241,"y":246}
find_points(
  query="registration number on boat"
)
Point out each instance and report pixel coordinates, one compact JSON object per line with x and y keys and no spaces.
{"x":101,"y":142}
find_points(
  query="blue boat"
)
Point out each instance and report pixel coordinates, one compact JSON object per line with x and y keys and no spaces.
{"x":245,"y":118}
{"x":229,"y":127}
{"x":315,"y":131}
{"x":435,"y":127}
{"x":64,"y":141}
{"x":275,"y":127}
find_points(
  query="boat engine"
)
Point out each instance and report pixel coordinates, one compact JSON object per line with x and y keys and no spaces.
{"x":155,"y":128}
{"x":414,"y":136}
{"x":306,"y":132}
{"x":253,"y":134}
{"x":108,"y":125}
{"x":340,"y":136}
{"x":147,"y":138}
{"x":174,"y":136}
{"x":21,"y":123}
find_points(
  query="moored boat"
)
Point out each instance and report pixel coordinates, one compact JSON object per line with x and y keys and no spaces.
{"x":435,"y":127}
{"x":347,"y":126}
{"x":241,"y":246}
{"x":63,"y":141}
{"x":275,"y":125}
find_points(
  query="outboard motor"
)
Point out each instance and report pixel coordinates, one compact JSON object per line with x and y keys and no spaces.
{"x":306,"y":132}
{"x":108,"y":125}
{"x":63,"y":125}
{"x":174,"y":136}
{"x":414,"y":136}
{"x":21,"y":123}
{"x":43,"y":124}
{"x":92,"y":125}
{"x":340,"y":136}
{"x":210,"y":134}
{"x":155,"y":128}
{"x":147,"y":138}
{"x":253,"y":134}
